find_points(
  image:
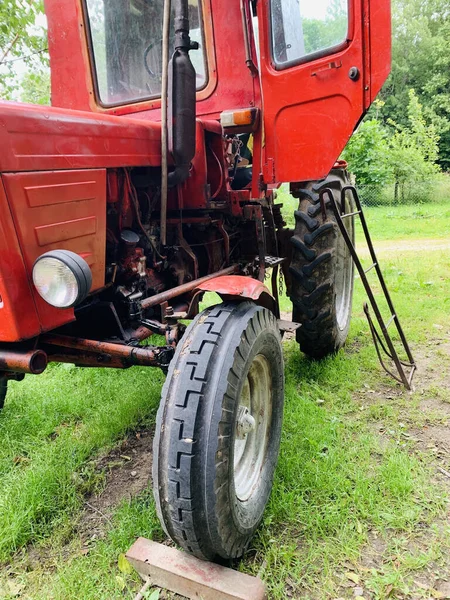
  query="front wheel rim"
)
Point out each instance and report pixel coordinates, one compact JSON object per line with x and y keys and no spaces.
{"x":252,"y":428}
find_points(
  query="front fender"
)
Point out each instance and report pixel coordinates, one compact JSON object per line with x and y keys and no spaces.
{"x":239,"y":287}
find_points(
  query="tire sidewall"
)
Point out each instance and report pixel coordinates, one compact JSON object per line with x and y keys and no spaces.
{"x":224,"y":510}
{"x":212,"y":524}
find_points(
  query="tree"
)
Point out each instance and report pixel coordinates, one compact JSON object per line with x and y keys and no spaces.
{"x":421,"y":61}
{"x":405,"y":155}
{"x":35,"y":87}
{"x":23,"y":45}
{"x":413,"y":150}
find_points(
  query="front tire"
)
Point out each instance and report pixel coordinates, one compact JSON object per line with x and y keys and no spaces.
{"x":3,"y":391}
{"x":218,"y":430}
{"x":322,"y":269}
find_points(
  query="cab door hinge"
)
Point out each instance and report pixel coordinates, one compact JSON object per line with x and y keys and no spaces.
{"x":269,"y":171}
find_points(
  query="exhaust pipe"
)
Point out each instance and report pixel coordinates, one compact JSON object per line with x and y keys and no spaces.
{"x":34,"y":361}
{"x":178,"y":105}
{"x":182,"y":101}
{"x":121,"y":355}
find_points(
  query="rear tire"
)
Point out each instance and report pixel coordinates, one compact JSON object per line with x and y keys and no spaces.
{"x":322,"y":269}
{"x":218,"y":430}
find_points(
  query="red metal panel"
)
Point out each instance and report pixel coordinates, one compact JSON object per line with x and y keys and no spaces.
{"x":235,"y":285}
{"x":380,"y":44}
{"x":37,"y":138}
{"x":68,"y":221}
{"x":69,"y":64}
{"x":311,"y":109}
{"x":18,"y":317}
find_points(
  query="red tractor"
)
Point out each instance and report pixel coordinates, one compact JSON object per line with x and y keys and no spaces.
{"x":152,"y":180}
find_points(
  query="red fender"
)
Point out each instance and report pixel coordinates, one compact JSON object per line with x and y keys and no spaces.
{"x":239,"y":287}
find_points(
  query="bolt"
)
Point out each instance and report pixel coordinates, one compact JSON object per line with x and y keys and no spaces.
{"x":245,"y":423}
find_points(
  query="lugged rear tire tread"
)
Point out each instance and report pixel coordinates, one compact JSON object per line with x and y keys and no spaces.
{"x":313,"y":270}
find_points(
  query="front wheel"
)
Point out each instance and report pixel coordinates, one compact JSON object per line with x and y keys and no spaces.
{"x":218,"y":430}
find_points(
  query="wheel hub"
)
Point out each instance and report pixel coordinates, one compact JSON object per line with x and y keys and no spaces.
{"x":252,"y":427}
{"x":244,"y":423}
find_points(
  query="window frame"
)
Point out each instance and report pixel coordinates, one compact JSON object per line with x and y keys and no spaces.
{"x":313,"y":55}
{"x":155,"y":99}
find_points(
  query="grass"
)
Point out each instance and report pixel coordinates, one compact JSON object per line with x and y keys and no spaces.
{"x":49,"y":428}
{"x":420,"y":221}
{"x":338,"y":485}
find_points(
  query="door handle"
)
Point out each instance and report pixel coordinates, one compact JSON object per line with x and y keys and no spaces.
{"x":335,"y":64}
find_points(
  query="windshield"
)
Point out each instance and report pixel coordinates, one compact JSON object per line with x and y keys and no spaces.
{"x":126,"y":38}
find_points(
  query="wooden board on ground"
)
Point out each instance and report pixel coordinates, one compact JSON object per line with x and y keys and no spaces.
{"x":188,"y":576}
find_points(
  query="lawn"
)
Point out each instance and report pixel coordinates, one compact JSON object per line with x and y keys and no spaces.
{"x":358,"y":501}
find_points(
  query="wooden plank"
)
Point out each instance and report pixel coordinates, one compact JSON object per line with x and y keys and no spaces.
{"x":188,"y":576}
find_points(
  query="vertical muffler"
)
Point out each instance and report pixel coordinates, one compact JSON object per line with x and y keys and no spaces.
{"x":181,"y":99}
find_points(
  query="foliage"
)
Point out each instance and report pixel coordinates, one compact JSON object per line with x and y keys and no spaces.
{"x":36,"y":87}
{"x":421,"y":60}
{"x":23,"y":49}
{"x":413,"y":149}
{"x":403,"y":154}
{"x":367,"y":154}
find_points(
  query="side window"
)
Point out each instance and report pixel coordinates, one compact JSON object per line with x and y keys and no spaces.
{"x":305,"y":29}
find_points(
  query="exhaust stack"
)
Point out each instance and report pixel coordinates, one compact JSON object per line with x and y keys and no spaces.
{"x":182,"y":90}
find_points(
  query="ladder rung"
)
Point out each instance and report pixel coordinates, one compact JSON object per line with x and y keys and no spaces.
{"x":358,"y":212}
{"x":370,"y":268}
{"x":390,"y":321}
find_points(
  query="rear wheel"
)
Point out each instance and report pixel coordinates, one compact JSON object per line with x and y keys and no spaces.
{"x":3,"y":390}
{"x":218,"y":430}
{"x":322,"y":269}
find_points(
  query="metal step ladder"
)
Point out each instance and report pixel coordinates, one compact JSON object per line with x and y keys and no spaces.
{"x":405,"y":368}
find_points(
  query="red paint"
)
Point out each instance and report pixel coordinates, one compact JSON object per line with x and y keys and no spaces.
{"x":53,"y":161}
{"x":39,"y":138}
{"x":47,"y":220}
{"x":230,"y":84}
{"x":235,"y":285}
{"x":18,"y":317}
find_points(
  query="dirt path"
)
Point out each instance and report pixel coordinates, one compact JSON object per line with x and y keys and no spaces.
{"x":409,"y":245}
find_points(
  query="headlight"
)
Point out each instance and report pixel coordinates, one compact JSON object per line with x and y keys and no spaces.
{"x":62,"y":278}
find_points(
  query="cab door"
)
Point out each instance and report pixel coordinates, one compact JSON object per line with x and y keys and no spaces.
{"x":322,"y":64}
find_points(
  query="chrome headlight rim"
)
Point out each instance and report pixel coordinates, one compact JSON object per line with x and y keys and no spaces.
{"x":77,"y":266}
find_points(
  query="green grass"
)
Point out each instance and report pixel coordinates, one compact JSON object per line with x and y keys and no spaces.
{"x":338,"y":482}
{"x":393,"y":222}
{"x":49,"y":428}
